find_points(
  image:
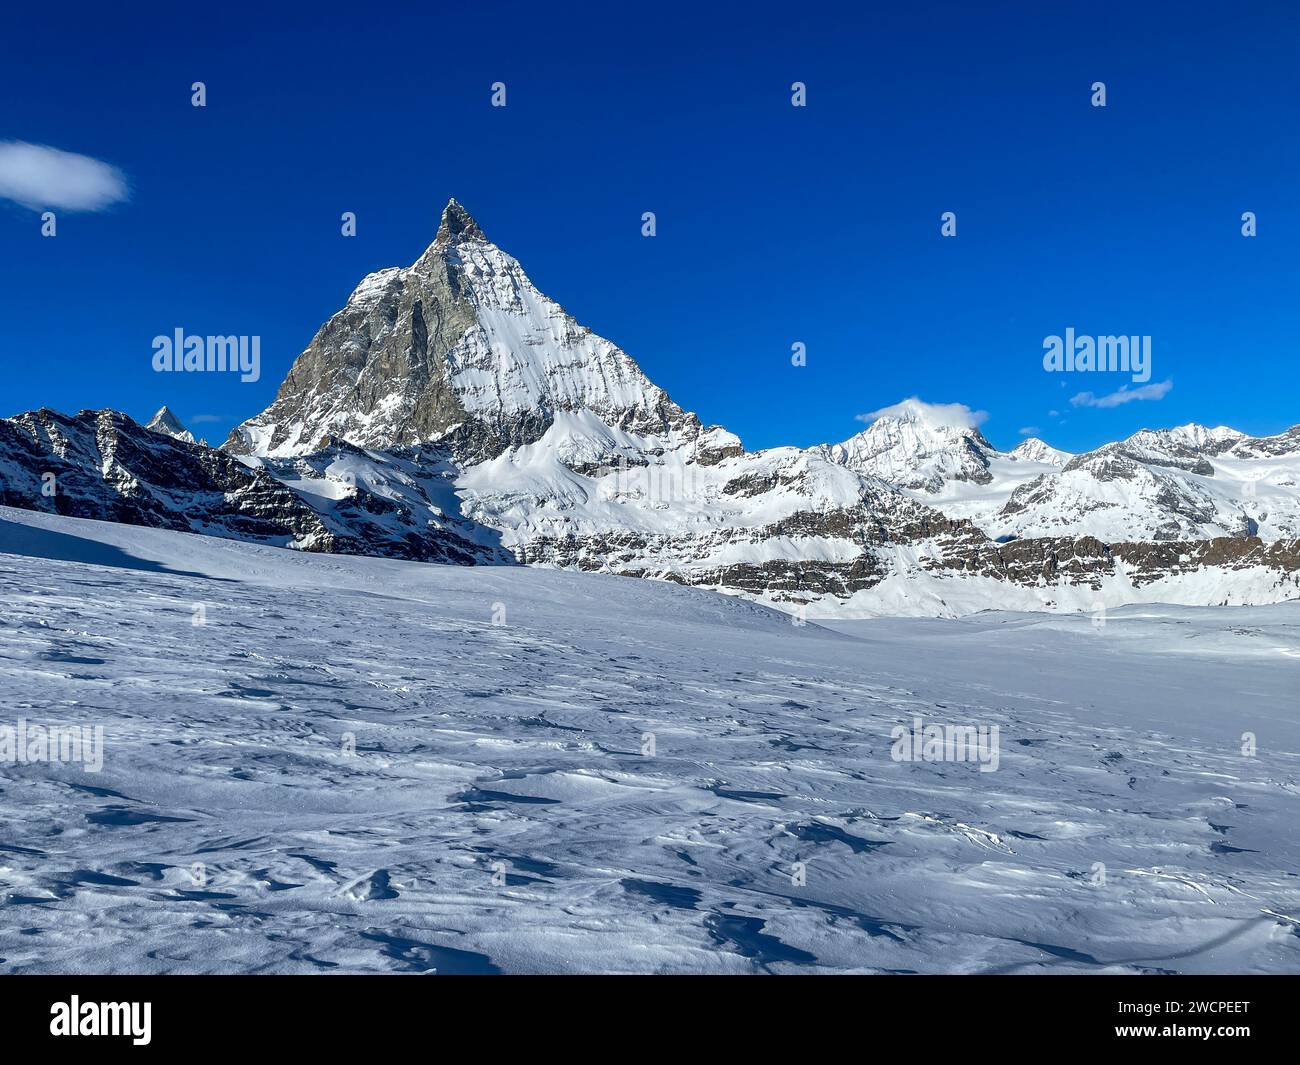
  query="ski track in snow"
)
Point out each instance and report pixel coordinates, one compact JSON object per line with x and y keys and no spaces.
{"x":498,"y":814}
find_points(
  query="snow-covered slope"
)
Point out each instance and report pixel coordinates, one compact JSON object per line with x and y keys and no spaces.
{"x":369,"y":765}
{"x":1186,"y":483}
{"x":948,"y":464}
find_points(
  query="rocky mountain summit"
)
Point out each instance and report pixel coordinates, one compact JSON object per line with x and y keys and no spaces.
{"x":913,"y":449}
{"x":168,"y":424}
{"x":459,"y":347}
{"x":1031,"y":449}
{"x":452,"y":412}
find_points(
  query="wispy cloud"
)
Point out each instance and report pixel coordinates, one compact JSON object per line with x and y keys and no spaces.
{"x":204,"y":419}
{"x":1027,"y":430}
{"x":1155,"y":390}
{"x":957,"y":415}
{"x":42,"y":178}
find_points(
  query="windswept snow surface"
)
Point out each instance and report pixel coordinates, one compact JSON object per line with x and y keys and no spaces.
{"x":504,"y":809}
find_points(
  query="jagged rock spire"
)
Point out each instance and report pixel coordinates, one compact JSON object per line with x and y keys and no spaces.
{"x":457,"y":224}
{"x":167,"y":423}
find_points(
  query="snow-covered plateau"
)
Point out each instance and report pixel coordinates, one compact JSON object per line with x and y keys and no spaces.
{"x":325,"y":763}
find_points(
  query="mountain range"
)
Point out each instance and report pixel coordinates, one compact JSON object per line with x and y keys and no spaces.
{"x":450,"y":412}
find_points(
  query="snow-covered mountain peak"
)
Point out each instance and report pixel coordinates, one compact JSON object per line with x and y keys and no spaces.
{"x":920,"y":446}
{"x":460,"y":348}
{"x":1189,"y":439}
{"x":929,"y":416}
{"x":168,"y":424}
{"x":1032,"y":449}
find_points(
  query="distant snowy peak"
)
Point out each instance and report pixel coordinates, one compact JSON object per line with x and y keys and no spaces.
{"x":1280,"y":446}
{"x":1189,"y":482}
{"x":460,"y":347}
{"x":1036,"y":450}
{"x":1186,"y":447}
{"x":1195,"y":437}
{"x":912,"y":449}
{"x":1185,"y":483}
{"x":168,"y":424}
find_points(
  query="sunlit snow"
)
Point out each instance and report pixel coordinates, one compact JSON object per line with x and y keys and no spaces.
{"x":359,"y":764}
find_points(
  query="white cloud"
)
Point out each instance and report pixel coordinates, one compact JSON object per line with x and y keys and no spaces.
{"x":203,"y":419}
{"x":956,"y":415}
{"x":42,"y":178}
{"x":1155,"y":390}
{"x":1027,"y":430}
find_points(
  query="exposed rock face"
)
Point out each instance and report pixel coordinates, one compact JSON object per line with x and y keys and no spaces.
{"x":847,"y":549}
{"x":103,"y":465}
{"x":375,"y":373}
{"x":1284,"y":445}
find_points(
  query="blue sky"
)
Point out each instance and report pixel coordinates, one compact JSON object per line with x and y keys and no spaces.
{"x":776,"y":224}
